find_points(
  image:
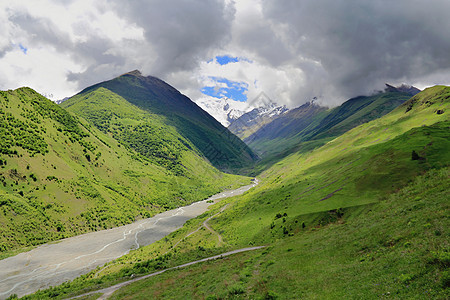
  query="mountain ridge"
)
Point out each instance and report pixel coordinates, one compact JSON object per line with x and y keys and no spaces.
{"x":222,"y":148}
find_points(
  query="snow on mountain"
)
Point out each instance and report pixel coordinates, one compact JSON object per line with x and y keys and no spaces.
{"x":227,"y":111}
{"x":224,"y":110}
{"x":264,"y":111}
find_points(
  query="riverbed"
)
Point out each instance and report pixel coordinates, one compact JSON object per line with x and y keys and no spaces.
{"x":54,"y":263}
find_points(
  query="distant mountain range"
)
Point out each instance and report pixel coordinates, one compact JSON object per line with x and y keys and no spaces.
{"x":253,"y":120}
{"x":312,"y":123}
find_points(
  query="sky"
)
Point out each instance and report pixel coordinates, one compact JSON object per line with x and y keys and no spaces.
{"x":293,"y":50}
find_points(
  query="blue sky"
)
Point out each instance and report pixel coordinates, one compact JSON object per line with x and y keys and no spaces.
{"x":223,"y":87}
{"x":227,"y":88}
{"x":23,"y":48}
{"x":226,"y":59}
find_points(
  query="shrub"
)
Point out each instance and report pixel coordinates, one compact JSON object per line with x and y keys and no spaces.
{"x":32,"y":176}
{"x":270,"y":296}
{"x":405,"y":278}
{"x":236,"y":289}
{"x":445,"y":279}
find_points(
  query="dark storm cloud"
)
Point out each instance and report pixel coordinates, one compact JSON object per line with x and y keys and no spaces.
{"x":181,"y":34}
{"x":361,"y":44}
{"x":331,"y":48}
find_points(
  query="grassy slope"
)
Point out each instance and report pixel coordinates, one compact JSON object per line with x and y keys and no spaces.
{"x":60,"y":177}
{"x":398,"y":248}
{"x":223,"y":149}
{"x":340,"y":222}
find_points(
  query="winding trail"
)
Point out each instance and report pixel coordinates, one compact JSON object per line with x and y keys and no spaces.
{"x":205,"y":224}
{"x":107,"y":292}
{"x":52,"y":264}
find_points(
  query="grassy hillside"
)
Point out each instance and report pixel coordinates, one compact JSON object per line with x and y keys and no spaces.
{"x":364,"y":216}
{"x":60,"y":176}
{"x":222,"y":148}
{"x":396,"y":249}
{"x":312,"y":125}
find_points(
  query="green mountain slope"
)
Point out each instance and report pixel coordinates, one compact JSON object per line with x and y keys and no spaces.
{"x":223,"y":149}
{"x":313,"y":124}
{"x":60,"y":176}
{"x":364,"y":216}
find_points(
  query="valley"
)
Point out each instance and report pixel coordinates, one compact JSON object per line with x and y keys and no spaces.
{"x":224,"y":150}
{"x":359,"y":193}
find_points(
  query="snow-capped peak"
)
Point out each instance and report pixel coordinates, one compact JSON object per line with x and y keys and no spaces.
{"x":226,"y":110}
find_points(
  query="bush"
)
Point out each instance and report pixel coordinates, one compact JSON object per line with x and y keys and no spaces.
{"x":445,"y":279}
{"x":270,"y":296}
{"x":236,"y":289}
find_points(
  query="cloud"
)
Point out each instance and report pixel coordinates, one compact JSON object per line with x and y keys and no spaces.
{"x":181,"y":34}
{"x":292,"y":50}
{"x":358,"y":45}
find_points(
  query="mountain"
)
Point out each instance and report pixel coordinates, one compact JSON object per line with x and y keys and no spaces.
{"x":224,"y":110}
{"x":160,"y":101}
{"x":370,"y":206}
{"x":316,"y":125}
{"x":242,"y":117}
{"x":404,"y":88}
{"x":253,"y":120}
{"x":61,"y":176}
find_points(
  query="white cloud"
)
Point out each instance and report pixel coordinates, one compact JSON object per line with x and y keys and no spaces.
{"x":30,"y":66}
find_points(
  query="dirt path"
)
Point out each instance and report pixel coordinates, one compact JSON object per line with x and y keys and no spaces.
{"x":52,"y":264}
{"x":205,"y":224}
{"x":107,"y":292}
